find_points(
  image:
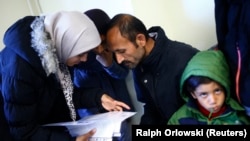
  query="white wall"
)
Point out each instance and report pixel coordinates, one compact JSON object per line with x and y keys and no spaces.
{"x":11,"y":10}
{"x":189,"y":21}
{"x":112,"y":7}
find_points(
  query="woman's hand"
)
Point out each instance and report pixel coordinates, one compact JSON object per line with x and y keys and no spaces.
{"x":86,"y":136}
{"x":111,"y":104}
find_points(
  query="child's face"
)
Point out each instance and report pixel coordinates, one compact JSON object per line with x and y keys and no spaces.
{"x":211,"y":96}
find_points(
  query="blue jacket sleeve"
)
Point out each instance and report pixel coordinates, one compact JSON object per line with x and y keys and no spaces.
{"x":117,"y":71}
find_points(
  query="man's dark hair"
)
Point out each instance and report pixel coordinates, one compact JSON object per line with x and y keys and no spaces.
{"x":129,"y":26}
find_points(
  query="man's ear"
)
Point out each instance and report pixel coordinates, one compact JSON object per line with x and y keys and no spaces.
{"x":140,"y":40}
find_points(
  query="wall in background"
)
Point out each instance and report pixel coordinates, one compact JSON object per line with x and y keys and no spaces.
{"x":190,"y":21}
{"x":112,"y":7}
{"x":11,"y":10}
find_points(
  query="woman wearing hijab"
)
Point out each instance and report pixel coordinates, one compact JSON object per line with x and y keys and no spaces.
{"x":36,"y":84}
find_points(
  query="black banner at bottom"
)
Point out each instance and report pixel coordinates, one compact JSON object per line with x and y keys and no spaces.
{"x":207,"y":132}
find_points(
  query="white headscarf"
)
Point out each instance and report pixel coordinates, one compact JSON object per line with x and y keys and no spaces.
{"x":72,"y":33}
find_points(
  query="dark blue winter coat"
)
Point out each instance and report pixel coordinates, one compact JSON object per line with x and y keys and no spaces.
{"x":232,"y":19}
{"x":157,"y":77}
{"x":31,"y":98}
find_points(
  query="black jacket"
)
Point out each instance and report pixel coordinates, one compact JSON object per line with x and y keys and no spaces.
{"x":157,"y":78}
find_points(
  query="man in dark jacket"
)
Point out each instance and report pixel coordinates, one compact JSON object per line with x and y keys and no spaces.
{"x":157,"y":63}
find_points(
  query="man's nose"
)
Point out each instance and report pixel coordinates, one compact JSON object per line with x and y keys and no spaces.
{"x":119,"y":58}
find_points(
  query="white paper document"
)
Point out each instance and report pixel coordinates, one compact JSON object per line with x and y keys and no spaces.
{"x":107,"y":124}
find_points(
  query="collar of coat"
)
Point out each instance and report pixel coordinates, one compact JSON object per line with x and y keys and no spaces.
{"x":44,"y":46}
{"x":46,"y":50}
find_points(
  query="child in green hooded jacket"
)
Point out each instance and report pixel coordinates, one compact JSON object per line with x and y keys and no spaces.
{"x":205,"y":86}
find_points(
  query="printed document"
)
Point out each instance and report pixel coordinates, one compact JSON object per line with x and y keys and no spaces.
{"x":107,"y":124}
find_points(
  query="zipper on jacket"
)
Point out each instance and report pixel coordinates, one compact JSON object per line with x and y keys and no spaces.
{"x":237,"y":79}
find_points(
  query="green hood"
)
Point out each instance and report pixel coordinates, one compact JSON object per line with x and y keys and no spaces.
{"x":211,"y":64}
